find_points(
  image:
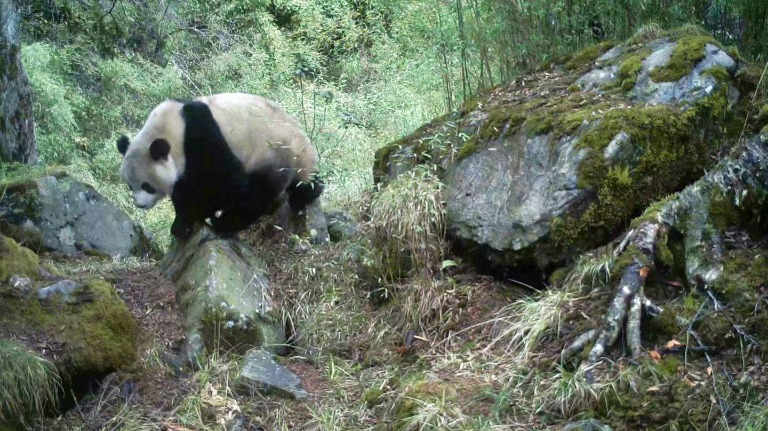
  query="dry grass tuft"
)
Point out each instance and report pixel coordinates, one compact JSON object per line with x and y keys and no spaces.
{"x":28,"y":384}
{"x":408,"y":223}
{"x":519,"y":327}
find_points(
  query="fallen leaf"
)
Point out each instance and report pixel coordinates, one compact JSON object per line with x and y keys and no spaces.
{"x":656,"y":356}
{"x":673,"y":343}
{"x":644,"y":271}
{"x":653,"y":389}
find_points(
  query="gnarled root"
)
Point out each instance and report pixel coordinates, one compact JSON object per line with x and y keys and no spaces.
{"x":687,"y":212}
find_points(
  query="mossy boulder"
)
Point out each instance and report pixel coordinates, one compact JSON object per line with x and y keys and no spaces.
{"x":560,"y":161}
{"x":16,"y":260}
{"x":59,"y":213}
{"x":224,"y":295}
{"x":85,"y":330}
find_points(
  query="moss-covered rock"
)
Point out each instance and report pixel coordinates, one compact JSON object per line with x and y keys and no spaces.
{"x":538,"y":169}
{"x":97,"y":333}
{"x":688,"y":51}
{"x":16,"y":260}
{"x":224,"y":295}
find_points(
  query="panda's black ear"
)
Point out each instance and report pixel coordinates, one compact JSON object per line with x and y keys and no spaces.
{"x":159,"y":149}
{"x":122,"y":144}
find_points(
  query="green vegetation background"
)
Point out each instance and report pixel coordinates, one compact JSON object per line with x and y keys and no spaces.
{"x":356,"y":73}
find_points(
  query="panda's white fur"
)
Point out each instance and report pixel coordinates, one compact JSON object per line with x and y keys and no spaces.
{"x":262,"y":136}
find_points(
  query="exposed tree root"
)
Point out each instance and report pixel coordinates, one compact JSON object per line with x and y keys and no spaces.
{"x":688,"y":212}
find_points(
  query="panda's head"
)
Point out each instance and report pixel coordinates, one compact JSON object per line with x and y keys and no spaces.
{"x":151,"y":161}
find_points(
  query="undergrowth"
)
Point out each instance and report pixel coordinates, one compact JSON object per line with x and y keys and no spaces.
{"x":28,"y":384}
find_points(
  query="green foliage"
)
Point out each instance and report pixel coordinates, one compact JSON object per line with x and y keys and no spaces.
{"x":55,"y":104}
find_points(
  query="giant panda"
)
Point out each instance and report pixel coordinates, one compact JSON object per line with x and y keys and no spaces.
{"x":225,"y":157}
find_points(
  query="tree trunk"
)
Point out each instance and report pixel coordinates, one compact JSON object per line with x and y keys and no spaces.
{"x":17,"y":132}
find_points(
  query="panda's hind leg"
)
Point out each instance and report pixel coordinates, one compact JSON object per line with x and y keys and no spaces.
{"x":301,"y":193}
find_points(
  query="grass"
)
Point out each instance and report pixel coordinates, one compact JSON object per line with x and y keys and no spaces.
{"x":28,"y":384}
{"x":519,"y":327}
{"x":408,"y":223}
{"x":568,"y":393}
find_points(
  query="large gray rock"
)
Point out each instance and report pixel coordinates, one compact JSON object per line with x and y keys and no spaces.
{"x":69,"y":216}
{"x":260,"y":373}
{"x":528,"y":164}
{"x":223,"y":294}
{"x":506,"y":198}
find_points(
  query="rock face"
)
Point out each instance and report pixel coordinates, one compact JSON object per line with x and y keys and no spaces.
{"x":562,"y":160}
{"x":224,"y":295}
{"x":69,"y":216}
{"x":17,"y":136}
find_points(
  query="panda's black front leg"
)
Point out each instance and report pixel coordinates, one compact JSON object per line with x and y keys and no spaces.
{"x":186,"y":215}
{"x":182,"y":229}
{"x":230,"y":222}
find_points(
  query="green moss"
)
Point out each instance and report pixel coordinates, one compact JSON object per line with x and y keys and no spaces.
{"x":16,"y":260}
{"x":720,"y":74}
{"x":686,"y":54}
{"x":663,"y":327}
{"x":471,"y":105}
{"x":538,"y":124}
{"x":668,"y":366}
{"x":558,"y":276}
{"x":573,"y":88}
{"x":628,"y":70}
{"x":470,"y":147}
{"x":762,"y":117}
{"x":381,"y":161}
{"x":668,"y":154}
{"x":98,"y":333}
{"x":102,"y":334}
{"x":734,"y":52}
{"x":373,"y":397}
{"x":744,"y":275}
{"x":589,"y":54}
{"x":501,"y":121}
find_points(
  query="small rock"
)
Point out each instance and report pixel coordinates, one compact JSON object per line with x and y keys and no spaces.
{"x":66,"y":289}
{"x":341,"y":226}
{"x":587,"y":425}
{"x":598,"y":78}
{"x":243,"y":423}
{"x":20,"y":286}
{"x":261,"y":373}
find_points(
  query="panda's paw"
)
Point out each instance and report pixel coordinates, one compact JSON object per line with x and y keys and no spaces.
{"x":181,"y":230}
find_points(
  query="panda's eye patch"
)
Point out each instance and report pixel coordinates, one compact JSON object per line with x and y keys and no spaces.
{"x":147,"y":188}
